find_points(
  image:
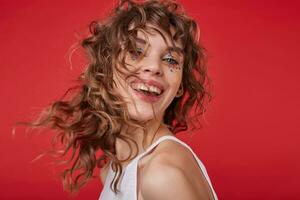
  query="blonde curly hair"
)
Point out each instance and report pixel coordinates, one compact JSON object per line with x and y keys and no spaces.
{"x":91,"y":120}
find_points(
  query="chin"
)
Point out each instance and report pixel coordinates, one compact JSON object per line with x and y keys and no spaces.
{"x":141,"y":114}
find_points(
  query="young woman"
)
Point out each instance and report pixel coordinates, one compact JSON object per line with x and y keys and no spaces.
{"x":146,"y":71}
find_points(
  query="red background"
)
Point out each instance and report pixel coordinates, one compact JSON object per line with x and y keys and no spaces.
{"x":250,"y":144}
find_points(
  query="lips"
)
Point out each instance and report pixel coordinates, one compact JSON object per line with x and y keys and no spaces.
{"x":150,"y":83}
{"x":147,"y":97}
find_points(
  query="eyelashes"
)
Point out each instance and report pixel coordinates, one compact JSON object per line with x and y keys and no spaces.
{"x":135,"y":54}
{"x":169,"y":59}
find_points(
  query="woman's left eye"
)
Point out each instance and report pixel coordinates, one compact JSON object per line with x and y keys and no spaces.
{"x":171,"y":60}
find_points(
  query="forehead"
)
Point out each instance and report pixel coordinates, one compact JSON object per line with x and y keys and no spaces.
{"x":154,"y":33}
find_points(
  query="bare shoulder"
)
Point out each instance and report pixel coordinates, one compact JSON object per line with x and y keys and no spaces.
{"x":173,"y":173}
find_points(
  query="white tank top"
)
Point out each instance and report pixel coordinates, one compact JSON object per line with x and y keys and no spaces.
{"x":128,"y":181}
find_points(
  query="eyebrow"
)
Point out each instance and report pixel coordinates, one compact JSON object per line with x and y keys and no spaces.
{"x":169,"y":49}
{"x":176,"y":49}
{"x":140,"y":40}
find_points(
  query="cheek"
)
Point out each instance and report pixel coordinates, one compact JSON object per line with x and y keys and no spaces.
{"x":131,"y":65}
{"x":174,"y":77}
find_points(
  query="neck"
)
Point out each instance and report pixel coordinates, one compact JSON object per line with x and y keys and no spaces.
{"x":154,"y":129}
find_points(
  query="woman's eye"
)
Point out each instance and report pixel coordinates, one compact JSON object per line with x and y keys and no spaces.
{"x":139,"y":51}
{"x":171,"y":60}
{"x":136,"y":54}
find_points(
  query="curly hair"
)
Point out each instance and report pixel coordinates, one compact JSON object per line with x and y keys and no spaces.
{"x":91,"y":120}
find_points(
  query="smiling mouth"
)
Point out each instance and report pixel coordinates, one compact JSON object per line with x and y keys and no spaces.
{"x":146,"y":89}
{"x":146,"y":94}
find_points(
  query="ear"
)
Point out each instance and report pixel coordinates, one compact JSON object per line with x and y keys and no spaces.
{"x":180,"y":91}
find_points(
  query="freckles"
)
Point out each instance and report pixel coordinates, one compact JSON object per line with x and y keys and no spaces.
{"x":173,"y":69}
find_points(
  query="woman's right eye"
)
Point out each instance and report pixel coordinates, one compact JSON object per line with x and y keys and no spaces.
{"x":136,"y":54}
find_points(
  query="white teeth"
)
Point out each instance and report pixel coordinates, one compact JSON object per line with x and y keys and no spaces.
{"x":155,"y":89}
{"x":145,"y":87}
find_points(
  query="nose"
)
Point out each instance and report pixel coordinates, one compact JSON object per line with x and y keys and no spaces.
{"x":153,"y":68}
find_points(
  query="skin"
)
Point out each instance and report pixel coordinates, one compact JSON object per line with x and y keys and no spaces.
{"x":158,"y":64}
{"x":160,"y":176}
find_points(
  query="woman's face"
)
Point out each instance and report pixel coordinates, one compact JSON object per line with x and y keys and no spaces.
{"x":159,"y":75}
